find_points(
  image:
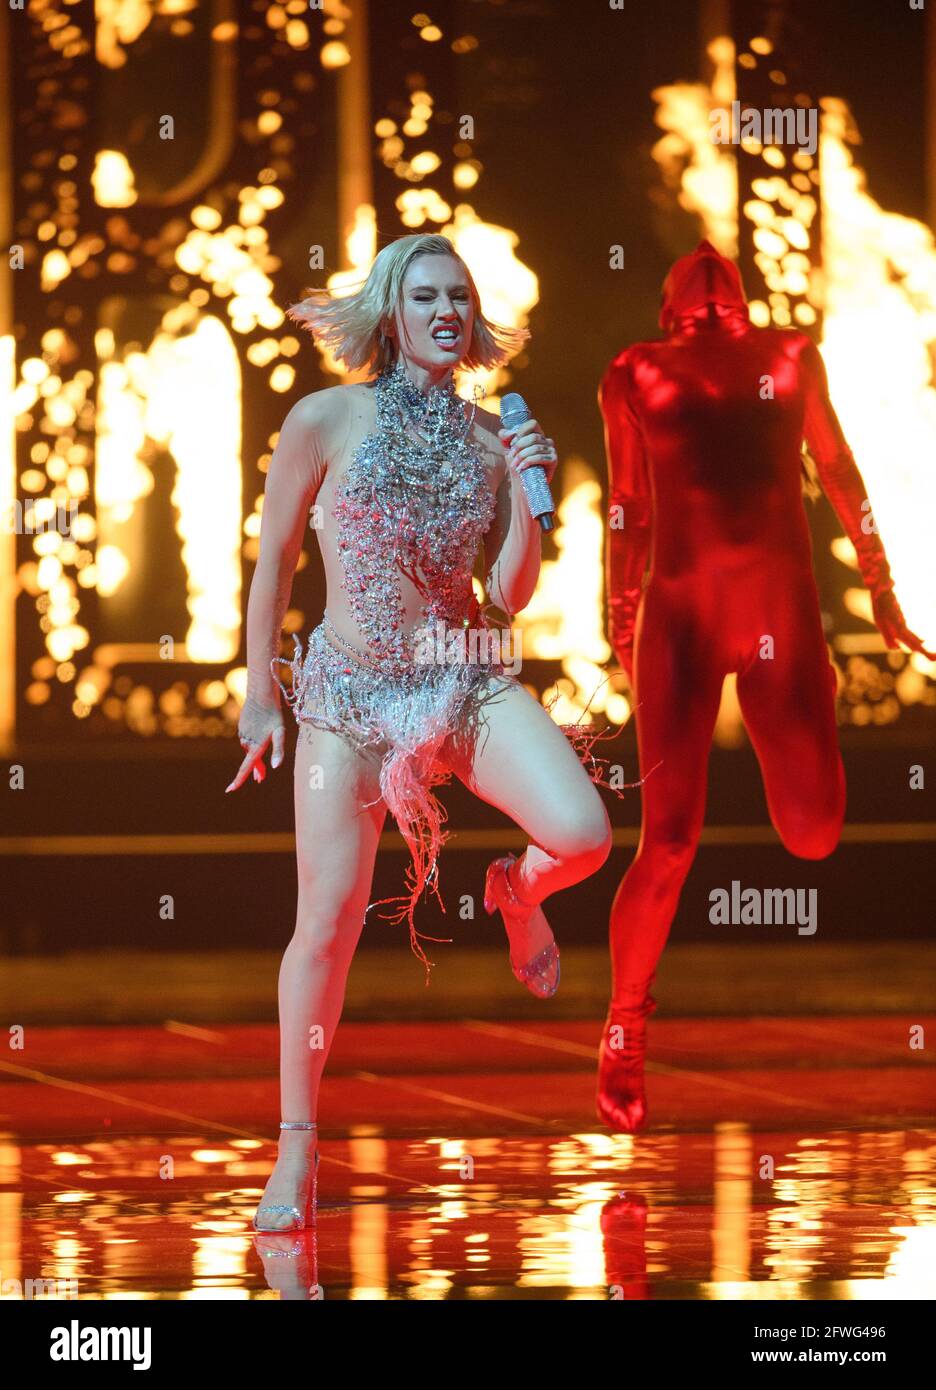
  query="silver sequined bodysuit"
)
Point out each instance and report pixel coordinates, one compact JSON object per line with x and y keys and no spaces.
{"x":427,"y":507}
{"x":416,"y":507}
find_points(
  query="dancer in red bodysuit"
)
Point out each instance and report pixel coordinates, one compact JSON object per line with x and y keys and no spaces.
{"x":703,"y":432}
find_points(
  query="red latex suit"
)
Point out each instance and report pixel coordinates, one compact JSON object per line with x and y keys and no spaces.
{"x":703,"y":431}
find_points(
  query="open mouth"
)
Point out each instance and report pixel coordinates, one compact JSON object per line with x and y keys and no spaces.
{"x":447,"y":336}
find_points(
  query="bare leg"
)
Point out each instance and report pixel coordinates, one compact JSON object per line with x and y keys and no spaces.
{"x":336,"y":845}
{"x":518,"y":760}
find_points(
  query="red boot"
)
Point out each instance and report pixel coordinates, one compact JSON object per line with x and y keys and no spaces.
{"x":621,"y":1100}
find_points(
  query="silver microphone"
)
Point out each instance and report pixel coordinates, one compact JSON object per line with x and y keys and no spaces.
{"x":514,"y":413}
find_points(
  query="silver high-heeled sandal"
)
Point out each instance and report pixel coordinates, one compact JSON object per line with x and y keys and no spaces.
{"x":302,"y":1218}
{"x":499,"y":892}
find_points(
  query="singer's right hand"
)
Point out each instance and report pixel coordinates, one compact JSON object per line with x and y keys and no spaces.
{"x":528,"y":447}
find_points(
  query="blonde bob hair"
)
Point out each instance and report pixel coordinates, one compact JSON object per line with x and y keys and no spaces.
{"x":352,"y":326}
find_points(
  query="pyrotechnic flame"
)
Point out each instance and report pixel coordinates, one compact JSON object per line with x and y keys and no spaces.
{"x":878,"y":296}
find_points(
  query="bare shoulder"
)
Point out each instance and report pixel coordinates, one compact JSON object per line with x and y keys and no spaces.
{"x":322,"y":412}
{"x":325,"y":419}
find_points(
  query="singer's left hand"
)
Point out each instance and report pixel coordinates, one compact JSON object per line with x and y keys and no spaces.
{"x":528,"y":447}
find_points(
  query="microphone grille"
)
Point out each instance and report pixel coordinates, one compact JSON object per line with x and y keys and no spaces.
{"x":514,"y":410}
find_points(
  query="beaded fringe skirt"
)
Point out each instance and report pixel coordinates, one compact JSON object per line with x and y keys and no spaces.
{"x":405,"y":717}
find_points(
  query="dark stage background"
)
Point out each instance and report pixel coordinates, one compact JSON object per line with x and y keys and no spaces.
{"x":561,"y":95}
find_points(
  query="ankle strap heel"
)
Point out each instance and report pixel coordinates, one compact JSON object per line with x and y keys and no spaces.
{"x":302,"y":1212}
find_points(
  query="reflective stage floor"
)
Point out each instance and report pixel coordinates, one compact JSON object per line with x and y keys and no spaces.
{"x":787,"y":1156}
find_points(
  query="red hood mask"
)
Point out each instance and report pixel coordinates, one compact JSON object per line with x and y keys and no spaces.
{"x":695,"y":281}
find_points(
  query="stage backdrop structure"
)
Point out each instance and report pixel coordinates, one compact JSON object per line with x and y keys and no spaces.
{"x":158,"y":228}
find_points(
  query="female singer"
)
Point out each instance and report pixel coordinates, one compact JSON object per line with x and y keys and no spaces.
{"x":405,"y":478}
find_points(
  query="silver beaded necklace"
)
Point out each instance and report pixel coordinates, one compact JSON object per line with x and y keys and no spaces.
{"x":436,"y":417}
